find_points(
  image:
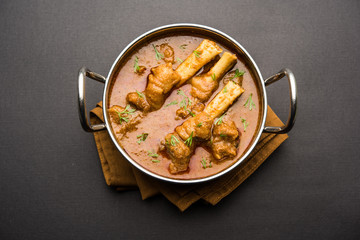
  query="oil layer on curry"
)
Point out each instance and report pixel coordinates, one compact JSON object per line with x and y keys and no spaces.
{"x":184,"y":107}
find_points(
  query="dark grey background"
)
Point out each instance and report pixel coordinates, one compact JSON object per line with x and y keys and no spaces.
{"x":51,"y":184}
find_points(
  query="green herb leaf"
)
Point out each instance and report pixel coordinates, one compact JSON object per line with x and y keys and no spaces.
{"x":173,"y":140}
{"x":189,"y":140}
{"x":140,"y":94}
{"x":128,"y":110}
{"x":122,"y":118}
{"x":186,"y":101}
{"x":183,"y":46}
{"x":153,"y":154}
{"x":220,"y":119}
{"x":179,"y":60}
{"x":203,"y":163}
{"x":223,"y":135}
{"x":249,"y":102}
{"x":142,"y":137}
{"x":245,"y":123}
{"x":238,"y":74}
{"x":225,"y":90}
{"x":136,"y":65}
{"x":122,"y":114}
{"x":155,"y":160}
{"x":213,"y":77}
{"x":199,"y":124}
{"x":158,"y":55}
{"x":197,"y":54}
{"x":191,"y":113}
{"x":172,"y":103}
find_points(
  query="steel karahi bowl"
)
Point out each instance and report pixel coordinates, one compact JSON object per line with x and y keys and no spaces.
{"x":206,"y":32}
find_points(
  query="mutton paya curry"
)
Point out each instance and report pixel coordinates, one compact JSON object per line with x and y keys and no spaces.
{"x":184,"y":107}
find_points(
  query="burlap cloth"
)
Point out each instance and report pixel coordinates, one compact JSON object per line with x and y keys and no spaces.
{"x":120,"y":174}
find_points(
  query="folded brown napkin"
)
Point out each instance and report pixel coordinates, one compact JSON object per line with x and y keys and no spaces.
{"x":120,"y":174}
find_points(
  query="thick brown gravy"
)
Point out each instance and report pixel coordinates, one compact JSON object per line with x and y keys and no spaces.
{"x":161,"y":122}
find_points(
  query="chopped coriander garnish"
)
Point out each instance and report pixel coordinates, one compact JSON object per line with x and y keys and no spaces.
{"x":140,"y":94}
{"x":179,"y":60}
{"x":203,"y":163}
{"x":186,"y":101}
{"x":181,"y":92}
{"x":183,"y":104}
{"x":173,"y":140}
{"x":225,"y":90}
{"x":189,"y":140}
{"x":136,"y":65}
{"x":191,"y":113}
{"x":153,"y":154}
{"x":158,"y":55}
{"x":197,"y":53}
{"x":223,"y":135}
{"x":213,"y":76}
{"x":172,"y":103}
{"x":121,"y":118}
{"x":199,"y":124}
{"x":249,"y":102}
{"x":238,"y":74}
{"x":142,"y":137}
{"x":155,"y":160}
{"x":220,"y":119}
{"x":245,"y":123}
{"x":124,"y":112}
{"x":183,"y":46}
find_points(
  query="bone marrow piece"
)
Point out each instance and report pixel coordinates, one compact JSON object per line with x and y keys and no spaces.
{"x":203,"y":54}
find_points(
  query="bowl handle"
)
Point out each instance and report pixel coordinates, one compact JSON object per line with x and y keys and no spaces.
{"x":83,"y":73}
{"x":293,"y":100}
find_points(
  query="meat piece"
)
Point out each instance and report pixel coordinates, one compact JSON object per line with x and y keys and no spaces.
{"x":127,"y":118}
{"x":203,"y":54}
{"x":225,"y":139}
{"x":141,"y":70}
{"x":226,"y":130}
{"x":197,"y":108}
{"x":182,"y":113}
{"x":194,"y":109}
{"x":198,"y":128}
{"x":204,"y":85}
{"x":168,"y":52}
{"x":139,"y":100}
{"x":178,"y":151}
{"x":118,"y":114}
{"x":160,"y":81}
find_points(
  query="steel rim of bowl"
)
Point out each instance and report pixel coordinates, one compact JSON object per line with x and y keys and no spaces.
{"x":184,"y":181}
